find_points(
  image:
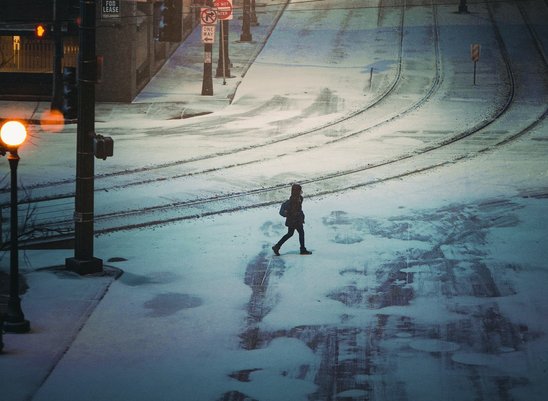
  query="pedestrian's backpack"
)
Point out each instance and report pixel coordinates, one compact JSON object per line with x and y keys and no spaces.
{"x":283,"y":208}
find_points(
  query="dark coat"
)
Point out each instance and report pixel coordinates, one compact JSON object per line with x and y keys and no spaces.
{"x":295,"y":215}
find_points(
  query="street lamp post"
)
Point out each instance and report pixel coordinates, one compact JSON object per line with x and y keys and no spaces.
{"x":12,"y":135}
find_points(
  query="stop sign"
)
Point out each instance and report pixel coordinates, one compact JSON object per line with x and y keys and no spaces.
{"x":224,"y":9}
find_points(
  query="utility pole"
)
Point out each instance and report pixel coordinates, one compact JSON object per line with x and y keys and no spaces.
{"x":253,"y":17}
{"x":83,"y":261}
{"x":246,"y":22}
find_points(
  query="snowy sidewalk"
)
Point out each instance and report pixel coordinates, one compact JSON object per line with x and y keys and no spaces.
{"x":163,"y":100}
{"x":57,"y":304}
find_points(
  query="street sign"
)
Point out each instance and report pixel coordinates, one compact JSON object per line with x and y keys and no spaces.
{"x":208,"y":58}
{"x":208,"y":16}
{"x":475,"y":50}
{"x":110,"y":9}
{"x":224,"y":9}
{"x":208,"y":34}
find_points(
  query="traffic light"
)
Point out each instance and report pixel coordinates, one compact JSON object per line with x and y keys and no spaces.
{"x":103,"y":146}
{"x":40,"y":31}
{"x":170,"y":25}
{"x":70,"y":93}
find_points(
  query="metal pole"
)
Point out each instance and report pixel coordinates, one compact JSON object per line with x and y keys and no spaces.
{"x":475,"y":62}
{"x":223,"y":63}
{"x":15,"y":319}
{"x":57,"y":93}
{"x":222,"y":46}
{"x":83,"y":261}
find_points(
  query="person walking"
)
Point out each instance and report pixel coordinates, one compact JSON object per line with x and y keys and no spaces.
{"x":294,"y":220}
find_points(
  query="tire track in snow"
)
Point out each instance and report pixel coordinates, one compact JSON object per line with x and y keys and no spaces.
{"x":375,"y":357}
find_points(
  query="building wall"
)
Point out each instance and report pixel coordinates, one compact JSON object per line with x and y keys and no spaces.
{"x":115,"y":42}
{"x":131,"y":54}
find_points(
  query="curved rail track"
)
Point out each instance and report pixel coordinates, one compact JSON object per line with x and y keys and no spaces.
{"x":443,"y":152}
{"x":288,"y":137}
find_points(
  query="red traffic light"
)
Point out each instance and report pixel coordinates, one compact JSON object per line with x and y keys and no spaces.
{"x":40,"y":31}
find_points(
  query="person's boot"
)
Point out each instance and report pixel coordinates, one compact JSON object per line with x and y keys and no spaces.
{"x":276,"y":250}
{"x":305,"y":251}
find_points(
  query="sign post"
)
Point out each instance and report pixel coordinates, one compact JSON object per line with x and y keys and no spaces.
{"x":475,"y":50}
{"x":208,"y":18}
{"x":224,"y":13}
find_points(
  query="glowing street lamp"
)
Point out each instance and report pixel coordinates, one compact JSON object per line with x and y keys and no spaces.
{"x":12,"y":135}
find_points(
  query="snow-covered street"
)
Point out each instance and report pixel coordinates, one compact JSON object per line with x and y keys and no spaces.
{"x":426,"y":212}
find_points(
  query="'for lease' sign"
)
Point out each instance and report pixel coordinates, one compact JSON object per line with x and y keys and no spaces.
{"x":110,"y":8}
